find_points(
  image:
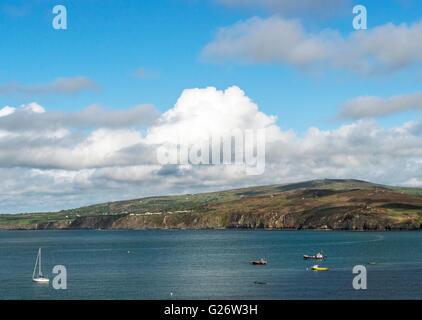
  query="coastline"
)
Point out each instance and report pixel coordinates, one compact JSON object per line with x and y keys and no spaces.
{"x":312,"y":205}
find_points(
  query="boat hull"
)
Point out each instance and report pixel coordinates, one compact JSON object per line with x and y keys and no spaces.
{"x":319,"y":269}
{"x":312,"y":258}
{"x":41,"y":280}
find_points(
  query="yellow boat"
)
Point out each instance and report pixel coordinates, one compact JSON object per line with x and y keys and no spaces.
{"x":317,"y":268}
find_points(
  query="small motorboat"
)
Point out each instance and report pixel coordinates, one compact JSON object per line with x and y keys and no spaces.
{"x":261,"y":261}
{"x":318,"y":268}
{"x":318,"y":256}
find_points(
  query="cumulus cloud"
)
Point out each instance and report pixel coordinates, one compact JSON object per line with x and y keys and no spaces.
{"x":66,"y":167}
{"x":374,"y":51}
{"x":372,"y":106}
{"x":200,"y":113}
{"x":60,"y":86}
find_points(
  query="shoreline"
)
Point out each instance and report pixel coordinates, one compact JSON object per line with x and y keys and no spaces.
{"x":221,"y":229}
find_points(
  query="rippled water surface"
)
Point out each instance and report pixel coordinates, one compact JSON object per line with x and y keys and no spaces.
{"x":211,"y":264}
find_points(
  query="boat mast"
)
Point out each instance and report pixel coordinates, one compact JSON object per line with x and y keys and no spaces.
{"x":35,"y":267}
{"x":39,"y":269}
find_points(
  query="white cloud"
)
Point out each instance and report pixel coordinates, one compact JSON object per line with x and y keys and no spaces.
{"x":269,"y":40}
{"x":32,"y":117}
{"x":66,"y":167}
{"x":374,"y":51}
{"x":32,"y":107}
{"x":201,"y":112}
{"x":372,"y":106}
{"x":6,"y":111}
{"x":60,"y":86}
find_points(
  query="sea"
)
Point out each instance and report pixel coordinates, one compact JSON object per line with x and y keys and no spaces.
{"x":211,"y":264}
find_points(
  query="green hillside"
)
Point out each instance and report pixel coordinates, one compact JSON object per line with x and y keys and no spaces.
{"x":317,"y":204}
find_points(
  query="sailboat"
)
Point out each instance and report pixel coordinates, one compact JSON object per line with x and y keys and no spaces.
{"x":39,"y":278}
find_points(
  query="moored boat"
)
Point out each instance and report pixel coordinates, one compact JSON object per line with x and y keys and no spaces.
{"x":318,"y":256}
{"x":261,"y":261}
{"x":318,"y":268}
{"x":39,"y":278}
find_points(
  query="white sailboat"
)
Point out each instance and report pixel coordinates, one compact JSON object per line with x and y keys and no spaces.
{"x":39,"y":278}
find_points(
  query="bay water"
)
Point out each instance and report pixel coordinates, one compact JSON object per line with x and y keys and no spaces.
{"x":211,"y":264}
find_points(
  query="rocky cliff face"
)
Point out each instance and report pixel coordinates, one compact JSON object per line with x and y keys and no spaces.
{"x":345,"y":221}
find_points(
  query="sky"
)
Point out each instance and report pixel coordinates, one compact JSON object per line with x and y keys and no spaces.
{"x":83,"y":110}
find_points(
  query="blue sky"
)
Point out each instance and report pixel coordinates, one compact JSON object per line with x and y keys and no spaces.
{"x":107,"y":41}
{"x":124,"y":54}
